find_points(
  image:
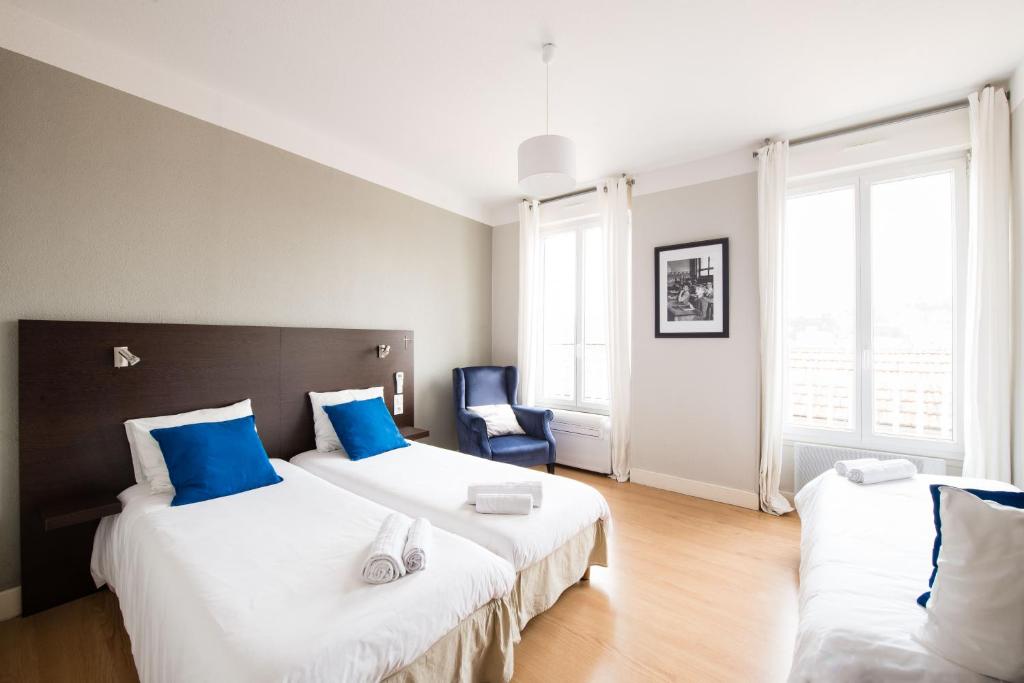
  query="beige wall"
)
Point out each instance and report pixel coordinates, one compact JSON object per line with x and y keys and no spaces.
{"x":113,"y":208}
{"x":694,"y":400}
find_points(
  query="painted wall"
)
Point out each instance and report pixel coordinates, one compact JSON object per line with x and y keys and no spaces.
{"x":694,"y":400}
{"x":114,"y":208}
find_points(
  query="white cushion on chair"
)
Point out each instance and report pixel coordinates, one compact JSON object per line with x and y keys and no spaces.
{"x":500,"y":419}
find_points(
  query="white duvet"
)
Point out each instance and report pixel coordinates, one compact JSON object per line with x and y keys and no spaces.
{"x":431,"y":482}
{"x":265,"y":586}
{"x":865,"y":557}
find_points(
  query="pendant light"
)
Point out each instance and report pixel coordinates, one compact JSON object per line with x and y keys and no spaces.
{"x":547,"y":163}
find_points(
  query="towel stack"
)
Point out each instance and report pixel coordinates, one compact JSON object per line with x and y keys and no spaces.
{"x":506,"y":498}
{"x":875,"y":471}
{"x":401,"y":547}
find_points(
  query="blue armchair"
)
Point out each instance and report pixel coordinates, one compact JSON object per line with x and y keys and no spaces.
{"x":490,"y":385}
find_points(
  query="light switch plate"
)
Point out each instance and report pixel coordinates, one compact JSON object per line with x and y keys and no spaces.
{"x":399,"y":404}
{"x":399,"y":382}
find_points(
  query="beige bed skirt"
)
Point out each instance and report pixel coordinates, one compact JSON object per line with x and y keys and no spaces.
{"x":539,"y":586}
{"x":480,"y":647}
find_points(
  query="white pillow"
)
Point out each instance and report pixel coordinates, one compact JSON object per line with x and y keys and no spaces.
{"x":976,"y":609}
{"x":500,"y":419}
{"x":326,"y":438}
{"x":148,"y":459}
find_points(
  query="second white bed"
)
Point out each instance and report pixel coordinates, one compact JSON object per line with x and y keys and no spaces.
{"x":426,"y":481}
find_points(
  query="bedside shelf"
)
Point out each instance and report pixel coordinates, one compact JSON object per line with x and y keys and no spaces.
{"x":79,"y":510}
{"x":414,"y":433}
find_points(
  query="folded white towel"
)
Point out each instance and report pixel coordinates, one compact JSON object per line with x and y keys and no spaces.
{"x":843,"y":466}
{"x":534,"y":488}
{"x":384,"y":563}
{"x":504,"y":503}
{"x":883,"y":470}
{"x":417,"y":545}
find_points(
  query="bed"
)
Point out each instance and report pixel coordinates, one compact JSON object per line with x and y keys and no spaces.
{"x":550,"y":549}
{"x":265,"y":586}
{"x":865,"y":556}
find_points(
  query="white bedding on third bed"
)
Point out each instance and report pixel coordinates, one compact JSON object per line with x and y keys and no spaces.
{"x":426,"y":481}
{"x":265,"y":585}
{"x":865,"y":557}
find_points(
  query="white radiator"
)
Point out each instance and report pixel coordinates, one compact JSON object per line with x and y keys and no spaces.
{"x":810,"y":460}
{"x":581,"y":440}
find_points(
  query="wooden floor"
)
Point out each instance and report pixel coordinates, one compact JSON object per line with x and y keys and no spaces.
{"x":695,"y":591}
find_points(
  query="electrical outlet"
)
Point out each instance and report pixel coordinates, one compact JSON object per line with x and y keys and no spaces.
{"x":399,"y":404}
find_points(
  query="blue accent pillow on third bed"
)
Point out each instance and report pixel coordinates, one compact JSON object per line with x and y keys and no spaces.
{"x":1013,"y":499}
{"x":214,"y":459}
{"x":365,"y":428}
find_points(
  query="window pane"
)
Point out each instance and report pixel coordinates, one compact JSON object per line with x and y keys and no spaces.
{"x":912,"y":298}
{"x":595,"y":318}
{"x":820,"y":290}
{"x":559,"y":303}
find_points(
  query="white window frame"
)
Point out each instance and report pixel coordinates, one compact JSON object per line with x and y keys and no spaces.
{"x":861,"y":435}
{"x":558,"y":217}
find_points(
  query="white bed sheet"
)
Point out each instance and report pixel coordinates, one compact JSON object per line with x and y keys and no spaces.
{"x":865,"y":557}
{"x":265,"y":585}
{"x":426,"y":481}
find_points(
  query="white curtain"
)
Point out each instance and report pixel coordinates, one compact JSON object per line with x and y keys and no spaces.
{"x":529,"y":304}
{"x":772,"y":163}
{"x":616,"y":210}
{"x":987,"y":354}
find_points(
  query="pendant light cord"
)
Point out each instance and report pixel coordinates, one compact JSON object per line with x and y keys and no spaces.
{"x":547,"y":99}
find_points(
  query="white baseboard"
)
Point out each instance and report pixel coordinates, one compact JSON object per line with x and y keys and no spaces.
{"x":10,"y":603}
{"x":700,"y":489}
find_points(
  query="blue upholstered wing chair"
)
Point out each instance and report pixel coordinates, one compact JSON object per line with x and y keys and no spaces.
{"x":491,"y":385}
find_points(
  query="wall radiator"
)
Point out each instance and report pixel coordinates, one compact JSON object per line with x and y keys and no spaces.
{"x":810,"y":460}
{"x":581,"y":440}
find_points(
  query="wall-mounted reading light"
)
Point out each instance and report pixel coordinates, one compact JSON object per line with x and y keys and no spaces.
{"x":383,"y":350}
{"x":124,"y":358}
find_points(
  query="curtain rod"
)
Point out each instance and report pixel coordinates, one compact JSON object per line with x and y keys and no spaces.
{"x":920,"y":114}
{"x":579,"y":192}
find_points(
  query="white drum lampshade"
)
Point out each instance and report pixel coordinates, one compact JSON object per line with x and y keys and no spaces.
{"x":547,"y":165}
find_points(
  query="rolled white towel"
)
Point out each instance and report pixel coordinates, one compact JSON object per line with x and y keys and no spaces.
{"x":504,"y":503}
{"x":534,"y":488}
{"x":384,"y":563}
{"x":883,"y":470}
{"x":843,"y":466}
{"x":417,"y":545}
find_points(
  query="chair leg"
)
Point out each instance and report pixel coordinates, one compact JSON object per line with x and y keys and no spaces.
{"x":551,"y":468}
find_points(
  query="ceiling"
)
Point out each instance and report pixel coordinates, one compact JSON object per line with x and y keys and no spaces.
{"x":437,"y":95}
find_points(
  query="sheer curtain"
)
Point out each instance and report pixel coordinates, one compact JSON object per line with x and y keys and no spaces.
{"x":772,"y":163}
{"x":987,"y":354}
{"x":529,"y":304}
{"x":615,"y":201}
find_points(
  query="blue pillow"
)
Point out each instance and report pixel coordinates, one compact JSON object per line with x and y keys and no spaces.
{"x":365,"y":428}
{"x":1013,"y":499}
{"x":214,"y":459}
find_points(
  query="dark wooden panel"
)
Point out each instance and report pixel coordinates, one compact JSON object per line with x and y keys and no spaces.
{"x":73,"y":403}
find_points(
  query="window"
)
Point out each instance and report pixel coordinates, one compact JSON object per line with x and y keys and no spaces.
{"x":574,"y":345}
{"x":872,"y":302}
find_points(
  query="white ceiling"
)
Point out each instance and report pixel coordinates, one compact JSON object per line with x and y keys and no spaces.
{"x":432,"y":98}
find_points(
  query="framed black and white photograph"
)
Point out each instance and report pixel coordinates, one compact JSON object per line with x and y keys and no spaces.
{"x":691,"y":289}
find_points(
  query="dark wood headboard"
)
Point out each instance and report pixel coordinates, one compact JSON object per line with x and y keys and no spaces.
{"x":73,"y":403}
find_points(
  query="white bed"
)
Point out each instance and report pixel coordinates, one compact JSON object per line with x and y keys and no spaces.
{"x":865,"y":557}
{"x":265,"y":586}
{"x":425,"y":481}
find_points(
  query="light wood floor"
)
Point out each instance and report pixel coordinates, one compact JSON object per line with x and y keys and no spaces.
{"x":696,"y":591}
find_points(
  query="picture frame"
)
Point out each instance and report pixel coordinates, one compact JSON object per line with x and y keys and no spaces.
{"x":691,"y":289}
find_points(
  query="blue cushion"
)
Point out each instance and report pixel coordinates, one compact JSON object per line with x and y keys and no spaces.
{"x":214,"y":459}
{"x":1008,"y":498}
{"x":365,"y":428}
{"x":489,"y":385}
